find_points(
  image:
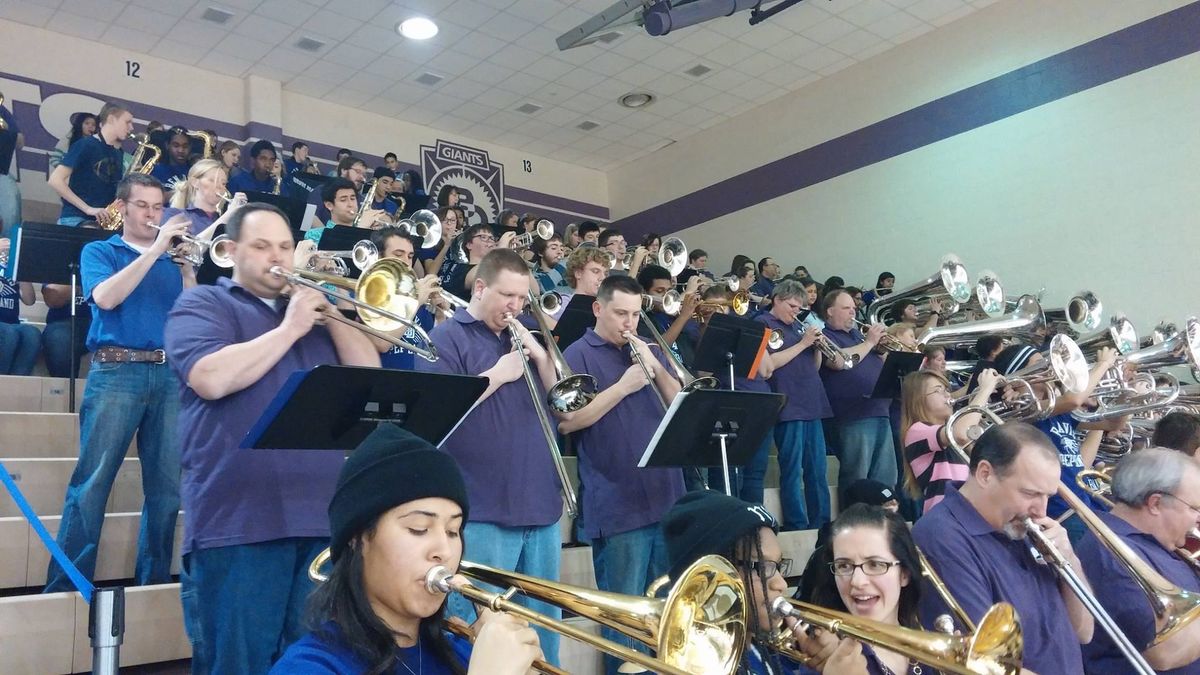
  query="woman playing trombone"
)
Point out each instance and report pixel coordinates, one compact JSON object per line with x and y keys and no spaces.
{"x":398,"y":510}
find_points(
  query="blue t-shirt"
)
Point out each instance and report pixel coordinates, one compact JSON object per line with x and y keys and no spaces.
{"x":170,"y":175}
{"x":10,"y":310}
{"x":96,"y":168}
{"x":136,"y":323}
{"x":1062,"y":430}
{"x":398,"y":358}
{"x":324,"y":653}
{"x":245,"y":182}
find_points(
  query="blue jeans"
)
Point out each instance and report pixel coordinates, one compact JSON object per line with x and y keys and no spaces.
{"x":803,"y":483}
{"x":72,"y":221}
{"x":121,"y":399}
{"x":243,"y":605}
{"x":755,"y":472}
{"x":10,"y":204}
{"x":19,"y":344}
{"x":865,"y":450}
{"x":534,"y":551}
{"x":626,"y":563}
{"x":56,"y":344}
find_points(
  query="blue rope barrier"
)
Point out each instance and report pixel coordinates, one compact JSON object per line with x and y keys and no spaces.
{"x":85,"y":587}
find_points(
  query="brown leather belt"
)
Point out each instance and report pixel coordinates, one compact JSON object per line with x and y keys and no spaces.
{"x":123,"y":355}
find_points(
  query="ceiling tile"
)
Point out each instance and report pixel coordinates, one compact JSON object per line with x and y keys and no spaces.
{"x":669,"y":84}
{"x":99,"y":10}
{"x":785,"y":76}
{"x":931,"y":10}
{"x":442,"y":103}
{"x":523,"y":84}
{"x":259,"y":27}
{"x":700,"y":41}
{"x":469,"y":13}
{"x":421,"y":116}
{"x":120,"y":36}
{"x":173,"y":7}
{"x":225,"y":64}
{"x":26,"y":13}
{"x":793,"y":47}
{"x":917,"y":31}
{"x":867,"y":12}
{"x":199,"y":33}
{"x":953,"y":15}
{"x":179,"y":52}
{"x":513,"y":56}
{"x":74,"y":24}
{"x":609,"y":63}
{"x":583,"y":103}
{"x":146,"y":21}
{"x":801,"y":17}
{"x":821,"y":57}
{"x":242,"y":47}
{"x":288,"y":60}
{"x":476,"y":113}
{"x":479,"y":45}
{"x":389,"y":67}
{"x":697,"y":93}
{"x":405,"y":92}
{"x":325,"y":70}
{"x":610,"y":112}
{"x":351,"y":97}
{"x":836,"y":67}
{"x":548,"y":68}
{"x":350,"y":55}
{"x":759,"y":63}
{"x":730,"y":53}
{"x":505,"y":27}
{"x":488,"y":73}
{"x":533,"y":11}
{"x":893,"y":25}
{"x":829,"y":30}
{"x":287,"y":11}
{"x":858,"y":41}
{"x":581,"y":78}
{"x":416,"y":52}
{"x":673,"y":59}
{"x":362,"y":10}
{"x":765,"y":35}
{"x":464,"y":88}
{"x":328,"y":24}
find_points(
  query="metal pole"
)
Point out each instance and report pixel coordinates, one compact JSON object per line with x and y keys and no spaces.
{"x":106,"y":628}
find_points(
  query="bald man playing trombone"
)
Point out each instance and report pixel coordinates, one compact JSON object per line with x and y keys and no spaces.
{"x":253,"y":516}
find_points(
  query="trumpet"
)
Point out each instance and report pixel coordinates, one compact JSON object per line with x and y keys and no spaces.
{"x":384,"y":296}
{"x":669,"y":303}
{"x":699,"y":629}
{"x":890,"y":343}
{"x":828,"y":349}
{"x":3,"y":124}
{"x":544,"y":230}
{"x":190,"y":249}
{"x":550,"y":302}
{"x":739,"y":303}
{"x":363,"y":255}
{"x":994,"y":648}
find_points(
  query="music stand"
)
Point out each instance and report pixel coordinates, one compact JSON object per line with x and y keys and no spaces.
{"x":294,"y":209}
{"x":575,"y":320}
{"x":49,"y":254}
{"x":733,"y":343}
{"x":713,"y":427}
{"x":341,"y":238}
{"x":336,"y":407}
{"x":895,"y":367}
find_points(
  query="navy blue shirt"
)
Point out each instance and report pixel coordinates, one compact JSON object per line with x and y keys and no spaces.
{"x":324,"y":653}
{"x":1062,"y":430}
{"x":618,"y":496}
{"x":230,"y":495}
{"x":200,"y":219}
{"x":764,"y":287}
{"x":136,"y":323}
{"x":10,"y":310}
{"x":96,"y":168}
{"x":170,"y":175}
{"x":55,"y":314}
{"x":1123,"y":598}
{"x":399,"y":358}
{"x":245,"y":182}
{"x":982,"y":566}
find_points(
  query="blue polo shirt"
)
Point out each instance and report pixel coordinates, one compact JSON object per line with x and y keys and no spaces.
{"x":136,"y":323}
{"x":399,"y":358}
{"x":96,"y":168}
{"x":245,"y":182}
{"x":200,"y":219}
{"x":1123,"y":598}
{"x":1062,"y":430}
{"x":849,"y":390}
{"x":324,"y":652}
{"x":503,"y":454}
{"x":618,"y":496}
{"x":798,"y":379}
{"x":982,"y":566}
{"x":233,"y":496}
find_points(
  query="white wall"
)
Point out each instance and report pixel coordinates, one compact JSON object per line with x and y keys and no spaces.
{"x":92,"y":66}
{"x":1097,"y":190}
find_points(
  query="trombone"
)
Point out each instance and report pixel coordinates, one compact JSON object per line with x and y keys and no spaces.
{"x":698,"y":629}
{"x":690,"y":382}
{"x":994,"y":648}
{"x":637,"y":358}
{"x":384,"y":295}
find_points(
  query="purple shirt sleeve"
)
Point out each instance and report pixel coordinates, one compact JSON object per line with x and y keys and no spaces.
{"x":958,"y":565}
{"x":195,"y":331}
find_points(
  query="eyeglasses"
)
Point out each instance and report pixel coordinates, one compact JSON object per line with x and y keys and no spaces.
{"x":1195,"y":509}
{"x":768,"y":568}
{"x":940,"y":391}
{"x":871,"y":568}
{"x":486,"y":238}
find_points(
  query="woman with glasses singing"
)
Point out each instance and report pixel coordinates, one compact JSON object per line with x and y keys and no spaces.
{"x":876,"y":574}
{"x":925,"y":408}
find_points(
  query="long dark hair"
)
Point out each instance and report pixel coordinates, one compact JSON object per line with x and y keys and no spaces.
{"x":343,"y":600}
{"x":443,"y":197}
{"x":746,"y":548}
{"x":77,"y":121}
{"x":901,"y":543}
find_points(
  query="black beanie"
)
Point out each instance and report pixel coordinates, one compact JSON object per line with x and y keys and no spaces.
{"x":390,"y":467}
{"x":706,"y":522}
{"x":867,"y":491}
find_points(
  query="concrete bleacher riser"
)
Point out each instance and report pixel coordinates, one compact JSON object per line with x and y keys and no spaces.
{"x":39,"y":445}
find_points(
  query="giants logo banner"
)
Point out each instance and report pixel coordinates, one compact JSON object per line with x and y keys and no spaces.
{"x":479,"y":180}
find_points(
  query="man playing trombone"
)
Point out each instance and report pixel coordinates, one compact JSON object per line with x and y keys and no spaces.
{"x":255,"y":516}
{"x":622,"y":503}
{"x":1155,"y":493}
{"x":975,"y":541}
{"x":510,"y":476}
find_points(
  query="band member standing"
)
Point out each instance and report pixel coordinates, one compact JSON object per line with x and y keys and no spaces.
{"x":861,"y":425}
{"x":132,"y":283}
{"x":804,"y":486}
{"x":622,"y":504}
{"x":87,"y":178}
{"x":1155,"y":493}
{"x":257,"y":516}
{"x":975,"y":541}
{"x":512,"y":481}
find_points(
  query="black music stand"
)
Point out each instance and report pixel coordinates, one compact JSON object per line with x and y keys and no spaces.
{"x":336,"y":407}
{"x":341,"y":238}
{"x":732,"y":343}
{"x":895,"y":367}
{"x":49,"y":254}
{"x":293,"y":208}
{"x":575,"y":319}
{"x":713,"y":427}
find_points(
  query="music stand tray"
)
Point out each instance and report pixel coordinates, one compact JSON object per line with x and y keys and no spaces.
{"x":294,"y":209}
{"x":336,"y":407}
{"x":49,"y":254}
{"x":343,"y":239}
{"x":733,"y":343}
{"x":895,"y":367}
{"x":713,"y":427}
{"x":575,"y":319}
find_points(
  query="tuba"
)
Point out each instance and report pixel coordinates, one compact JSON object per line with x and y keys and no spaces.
{"x":1119,"y":335}
{"x":988,"y":300}
{"x":949,"y":281}
{"x":1025,"y":322}
{"x":111,"y":218}
{"x":1084,"y":311}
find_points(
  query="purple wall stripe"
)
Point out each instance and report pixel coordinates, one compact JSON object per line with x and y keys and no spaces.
{"x":1125,"y":52}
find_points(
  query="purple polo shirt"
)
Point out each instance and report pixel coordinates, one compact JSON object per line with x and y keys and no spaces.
{"x":1123,"y":599}
{"x":848,"y":390}
{"x":799,"y":379}
{"x":618,"y":496}
{"x":233,"y":496}
{"x":500,"y":447}
{"x":982,"y":566}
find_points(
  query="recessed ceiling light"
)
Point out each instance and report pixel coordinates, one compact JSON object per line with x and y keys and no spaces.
{"x":637,"y":99}
{"x":417,"y":28}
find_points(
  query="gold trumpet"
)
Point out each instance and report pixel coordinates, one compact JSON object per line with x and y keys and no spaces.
{"x":111,"y":218}
{"x":739,"y":303}
{"x":699,"y":628}
{"x":828,"y":349}
{"x":1103,"y":494}
{"x":890,"y":343}
{"x":994,"y":648}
